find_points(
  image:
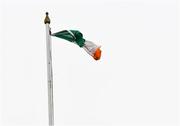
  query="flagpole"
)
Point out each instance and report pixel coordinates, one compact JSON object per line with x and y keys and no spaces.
{"x":49,"y":71}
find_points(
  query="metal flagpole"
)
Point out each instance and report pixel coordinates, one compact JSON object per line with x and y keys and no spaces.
{"x":49,"y":71}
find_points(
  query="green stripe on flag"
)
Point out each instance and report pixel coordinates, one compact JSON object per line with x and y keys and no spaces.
{"x":77,"y":36}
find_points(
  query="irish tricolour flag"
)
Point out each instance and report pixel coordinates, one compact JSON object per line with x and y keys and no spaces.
{"x":77,"y":37}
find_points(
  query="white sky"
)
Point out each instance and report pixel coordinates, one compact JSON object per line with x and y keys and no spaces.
{"x":134,"y":83}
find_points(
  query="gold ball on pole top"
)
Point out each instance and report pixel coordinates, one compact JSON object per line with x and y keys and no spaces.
{"x":47,"y":19}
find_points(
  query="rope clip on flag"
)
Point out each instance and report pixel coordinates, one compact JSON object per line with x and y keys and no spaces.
{"x":76,"y":37}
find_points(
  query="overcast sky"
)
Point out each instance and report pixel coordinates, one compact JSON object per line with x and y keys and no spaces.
{"x":134,"y":83}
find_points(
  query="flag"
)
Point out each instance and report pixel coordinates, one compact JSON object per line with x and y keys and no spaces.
{"x":76,"y":37}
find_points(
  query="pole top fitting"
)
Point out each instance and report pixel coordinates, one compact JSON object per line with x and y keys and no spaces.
{"x":47,"y":20}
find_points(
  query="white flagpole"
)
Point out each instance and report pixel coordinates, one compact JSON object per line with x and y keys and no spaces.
{"x":49,"y":71}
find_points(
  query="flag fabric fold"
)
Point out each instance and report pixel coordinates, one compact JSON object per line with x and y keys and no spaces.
{"x":77,"y":37}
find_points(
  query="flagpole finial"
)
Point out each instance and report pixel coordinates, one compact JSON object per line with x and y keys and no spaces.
{"x":47,"y":19}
